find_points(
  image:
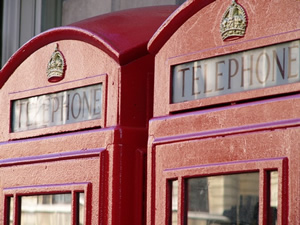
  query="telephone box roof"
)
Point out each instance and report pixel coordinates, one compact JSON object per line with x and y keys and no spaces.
{"x":282,"y":19}
{"x":123,"y":35}
{"x":171,"y":24}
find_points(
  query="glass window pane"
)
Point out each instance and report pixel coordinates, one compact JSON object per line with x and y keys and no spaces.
{"x":81,"y":206}
{"x":51,"y":14}
{"x":174,"y":202}
{"x":179,"y":2}
{"x":1,"y":28}
{"x":27,"y":21}
{"x":223,"y":200}
{"x":10,"y":210}
{"x":273,"y":198}
{"x":48,"y":211}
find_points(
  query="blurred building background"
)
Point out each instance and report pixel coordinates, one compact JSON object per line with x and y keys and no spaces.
{"x":20,"y":20}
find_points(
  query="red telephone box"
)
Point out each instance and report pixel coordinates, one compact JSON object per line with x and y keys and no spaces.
{"x":224,"y":141}
{"x":75,"y":103}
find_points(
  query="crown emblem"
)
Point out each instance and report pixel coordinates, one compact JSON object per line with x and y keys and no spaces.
{"x":234,"y":21}
{"x":56,"y":66}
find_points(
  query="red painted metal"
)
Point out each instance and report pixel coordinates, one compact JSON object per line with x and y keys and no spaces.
{"x":104,"y":158}
{"x":177,"y":19}
{"x":123,"y":35}
{"x":254,"y":130}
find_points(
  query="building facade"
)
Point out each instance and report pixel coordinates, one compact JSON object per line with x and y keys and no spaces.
{"x":23,"y":19}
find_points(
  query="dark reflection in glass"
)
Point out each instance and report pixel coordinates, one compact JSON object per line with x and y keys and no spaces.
{"x":223,"y":200}
{"x":174,"y":202}
{"x":272,"y":218}
{"x":10,"y":210}
{"x":46,"y":209}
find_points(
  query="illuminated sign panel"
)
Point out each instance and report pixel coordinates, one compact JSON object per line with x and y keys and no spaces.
{"x":65,"y":107}
{"x":259,"y":68}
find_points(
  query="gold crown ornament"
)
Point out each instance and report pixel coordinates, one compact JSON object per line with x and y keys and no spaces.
{"x":234,"y":22}
{"x":56,"y":66}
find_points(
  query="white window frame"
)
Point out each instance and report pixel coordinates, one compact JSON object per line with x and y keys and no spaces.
{"x":23,"y":19}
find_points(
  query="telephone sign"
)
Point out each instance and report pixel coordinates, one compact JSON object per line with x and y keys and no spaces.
{"x":253,"y":69}
{"x":65,"y":107}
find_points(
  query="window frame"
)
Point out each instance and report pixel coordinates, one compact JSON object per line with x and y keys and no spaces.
{"x":20,"y":24}
{"x":63,"y":86}
{"x":74,"y":188}
{"x":263,"y":166}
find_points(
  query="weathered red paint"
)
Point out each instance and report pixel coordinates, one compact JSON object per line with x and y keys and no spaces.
{"x":110,"y":33}
{"x":243,"y":132}
{"x":240,"y":132}
{"x":105,"y":158}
